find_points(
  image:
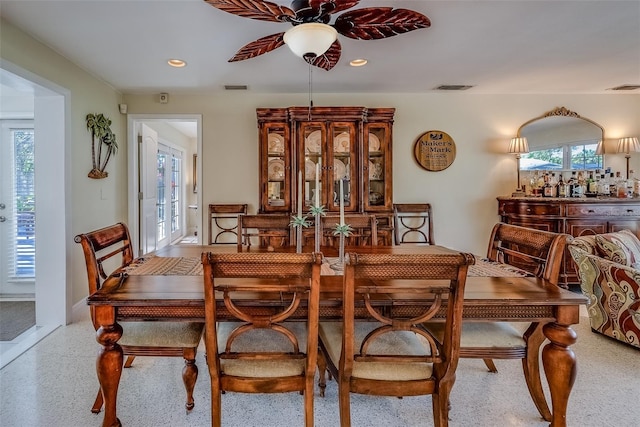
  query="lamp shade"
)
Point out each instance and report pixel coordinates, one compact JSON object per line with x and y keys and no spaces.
{"x":628,"y":145}
{"x":310,"y":39}
{"x":519,"y":145}
{"x":600,"y":148}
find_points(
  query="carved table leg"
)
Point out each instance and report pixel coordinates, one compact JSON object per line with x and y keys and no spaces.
{"x":109,"y":362}
{"x":560,"y":368}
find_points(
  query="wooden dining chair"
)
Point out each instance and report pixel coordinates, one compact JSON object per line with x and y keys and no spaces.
{"x":412,"y":223}
{"x":111,"y":246}
{"x":389,"y":353}
{"x":364,"y":233}
{"x":261,"y":352}
{"x":541,"y":254}
{"x":267,"y":230}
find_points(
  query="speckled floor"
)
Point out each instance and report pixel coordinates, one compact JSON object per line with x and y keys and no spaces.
{"x":54,"y":384}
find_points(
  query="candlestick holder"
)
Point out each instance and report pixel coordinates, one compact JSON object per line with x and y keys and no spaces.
{"x":317,"y":212}
{"x":298,"y":222}
{"x":342,"y":231}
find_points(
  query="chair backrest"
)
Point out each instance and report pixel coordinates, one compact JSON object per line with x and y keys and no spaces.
{"x":364,"y":233}
{"x":225,"y":219}
{"x":282,"y":280}
{"x":536,"y":251}
{"x":438,"y":278}
{"x":100,"y":247}
{"x":412,"y":223}
{"x":270,"y":230}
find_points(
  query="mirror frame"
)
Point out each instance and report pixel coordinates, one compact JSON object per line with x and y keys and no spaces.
{"x":562,"y":112}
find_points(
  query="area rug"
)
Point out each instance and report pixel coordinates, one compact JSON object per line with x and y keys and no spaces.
{"x":15,"y":318}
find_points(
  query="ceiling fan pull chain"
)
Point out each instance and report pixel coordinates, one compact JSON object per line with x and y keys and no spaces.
{"x":310,"y":91}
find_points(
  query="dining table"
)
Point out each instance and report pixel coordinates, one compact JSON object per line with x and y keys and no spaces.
{"x":168,"y":286}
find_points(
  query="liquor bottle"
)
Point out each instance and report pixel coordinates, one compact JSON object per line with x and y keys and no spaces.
{"x":573,"y":183}
{"x":621,"y":186}
{"x":613,"y":187}
{"x":603,"y":186}
{"x":636,"y":184}
{"x":591,"y":184}
{"x":561,"y":188}
{"x":548,"y":189}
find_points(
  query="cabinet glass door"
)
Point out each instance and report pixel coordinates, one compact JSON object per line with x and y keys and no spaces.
{"x":342,"y":163}
{"x":377,"y":169}
{"x":277,"y":168}
{"x":312,"y":160}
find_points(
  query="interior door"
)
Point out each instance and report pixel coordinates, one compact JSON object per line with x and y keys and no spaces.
{"x":147,"y":189}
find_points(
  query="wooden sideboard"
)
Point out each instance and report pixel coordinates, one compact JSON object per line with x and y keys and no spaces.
{"x":574,"y":216}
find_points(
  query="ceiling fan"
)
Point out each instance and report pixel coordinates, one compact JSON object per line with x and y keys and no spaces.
{"x":364,"y":24}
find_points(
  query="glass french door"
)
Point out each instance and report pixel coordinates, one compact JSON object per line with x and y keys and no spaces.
{"x":17,"y":207}
{"x":170,"y":195}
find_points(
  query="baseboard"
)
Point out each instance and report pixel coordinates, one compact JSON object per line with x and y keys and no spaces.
{"x":80,"y":311}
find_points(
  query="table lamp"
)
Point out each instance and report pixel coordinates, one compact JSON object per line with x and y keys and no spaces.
{"x":628,"y":146}
{"x":518,"y":145}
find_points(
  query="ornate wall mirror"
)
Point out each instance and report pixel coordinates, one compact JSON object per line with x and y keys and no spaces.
{"x":561,"y":139}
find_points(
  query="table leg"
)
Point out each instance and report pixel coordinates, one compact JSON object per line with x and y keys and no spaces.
{"x":109,"y":362}
{"x":560,"y":368}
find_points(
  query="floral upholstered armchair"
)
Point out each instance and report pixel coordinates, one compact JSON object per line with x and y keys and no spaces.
{"x":609,"y":270}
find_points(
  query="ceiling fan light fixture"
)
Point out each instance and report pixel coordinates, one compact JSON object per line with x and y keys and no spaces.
{"x":310,"y":38}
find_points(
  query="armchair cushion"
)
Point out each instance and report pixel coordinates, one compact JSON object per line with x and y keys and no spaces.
{"x":393,"y":343}
{"x":264,"y":340}
{"x":622,"y":247}
{"x":613,"y":290}
{"x":161,"y":334}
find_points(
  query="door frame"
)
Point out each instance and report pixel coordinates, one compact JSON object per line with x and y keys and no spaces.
{"x":53,"y":292}
{"x":133,"y":120}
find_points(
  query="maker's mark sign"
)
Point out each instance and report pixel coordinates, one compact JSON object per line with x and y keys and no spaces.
{"x":435,"y":150}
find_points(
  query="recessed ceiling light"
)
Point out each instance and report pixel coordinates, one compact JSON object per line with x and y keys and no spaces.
{"x":178,"y":63}
{"x":358,"y":62}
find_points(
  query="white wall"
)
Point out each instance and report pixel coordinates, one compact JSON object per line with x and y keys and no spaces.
{"x":91,"y":203}
{"x":463,"y":196}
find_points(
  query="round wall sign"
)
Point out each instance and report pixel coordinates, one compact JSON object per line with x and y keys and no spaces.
{"x":435,"y":150}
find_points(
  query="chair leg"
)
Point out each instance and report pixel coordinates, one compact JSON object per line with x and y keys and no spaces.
{"x":345,"y":403}
{"x":308,"y":401}
{"x":322,"y":369}
{"x":216,"y":403}
{"x":189,"y":376}
{"x":97,"y":405}
{"x":129,"y":361}
{"x":490,"y":365}
{"x":534,"y":337}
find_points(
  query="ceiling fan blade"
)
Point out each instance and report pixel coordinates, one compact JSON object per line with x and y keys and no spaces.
{"x":255,"y":9}
{"x":379,"y":22}
{"x":332,"y":6}
{"x":329,"y":59}
{"x":259,"y":47}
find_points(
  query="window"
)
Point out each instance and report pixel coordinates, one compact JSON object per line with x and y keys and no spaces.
{"x":169,"y":203}
{"x":18,"y":197}
{"x":568,"y":157}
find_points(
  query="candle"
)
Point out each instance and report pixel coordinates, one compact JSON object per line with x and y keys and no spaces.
{"x":318,"y":183}
{"x":341,"y":202}
{"x":299,"y":193}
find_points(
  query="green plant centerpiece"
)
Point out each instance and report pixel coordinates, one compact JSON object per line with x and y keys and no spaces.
{"x":101,"y":135}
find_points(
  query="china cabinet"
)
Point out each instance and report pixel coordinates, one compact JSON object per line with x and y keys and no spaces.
{"x":307,"y":155}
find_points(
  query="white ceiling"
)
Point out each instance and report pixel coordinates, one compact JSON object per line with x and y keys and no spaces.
{"x":510,"y":47}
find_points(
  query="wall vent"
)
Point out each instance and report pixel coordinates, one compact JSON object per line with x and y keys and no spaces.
{"x":235,"y":87}
{"x":453,"y":87}
{"x":626,"y":87}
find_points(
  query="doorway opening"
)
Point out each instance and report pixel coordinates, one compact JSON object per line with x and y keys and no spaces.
{"x":26,"y":96}
{"x":163,"y":194}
